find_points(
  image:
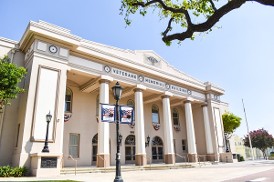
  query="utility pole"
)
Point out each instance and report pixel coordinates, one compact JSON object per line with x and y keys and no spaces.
{"x":250,"y":144}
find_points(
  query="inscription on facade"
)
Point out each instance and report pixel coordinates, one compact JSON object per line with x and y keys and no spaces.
{"x":123,"y":73}
{"x":154,"y":82}
{"x":179,"y":89}
{"x":48,"y":162}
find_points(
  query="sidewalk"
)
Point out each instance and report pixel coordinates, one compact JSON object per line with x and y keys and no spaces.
{"x":210,"y":173}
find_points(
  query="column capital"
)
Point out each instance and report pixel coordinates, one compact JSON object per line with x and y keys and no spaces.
{"x":139,"y":88}
{"x":204,"y":104}
{"x":167,"y":95}
{"x":105,"y":79}
{"x":188,"y":100}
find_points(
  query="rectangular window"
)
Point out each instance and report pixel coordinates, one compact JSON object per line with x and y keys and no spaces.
{"x":74,"y":145}
{"x":184,"y":145}
{"x":155,"y":118}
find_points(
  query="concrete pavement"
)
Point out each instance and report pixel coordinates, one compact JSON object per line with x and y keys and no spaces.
{"x":211,"y":173}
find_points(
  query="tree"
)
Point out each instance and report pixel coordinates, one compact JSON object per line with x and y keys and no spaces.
{"x":260,"y":139}
{"x":231,"y":122}
{"x":10,"y":76}
{"x":186,"y":16}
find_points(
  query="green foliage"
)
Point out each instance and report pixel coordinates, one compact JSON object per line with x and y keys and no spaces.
{"x":260,"y":139}
{"x":10,"y":76}
{"x":7,"y":171}
{"x":231,"y":123}
{"x":241,"y":159}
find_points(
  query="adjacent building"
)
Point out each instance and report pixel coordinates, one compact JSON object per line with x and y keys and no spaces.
{"x":177,"y":118}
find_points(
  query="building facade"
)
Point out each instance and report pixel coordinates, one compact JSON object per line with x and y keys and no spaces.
{"x":70,"y":77}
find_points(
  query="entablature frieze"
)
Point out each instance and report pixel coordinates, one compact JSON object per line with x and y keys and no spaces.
{"x":134,"y":79}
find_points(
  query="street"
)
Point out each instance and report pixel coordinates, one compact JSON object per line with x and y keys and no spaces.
{"x":247,"y":171}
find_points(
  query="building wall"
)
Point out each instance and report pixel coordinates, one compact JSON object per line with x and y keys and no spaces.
{"x":50,"y":73}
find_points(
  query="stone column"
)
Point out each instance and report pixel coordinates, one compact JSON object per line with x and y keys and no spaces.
{"x":103,"y":158}
{"x":169,"y":157}
{"x":208,"y":138}
{"x":191,"y":140}
{"x":140,"y":156}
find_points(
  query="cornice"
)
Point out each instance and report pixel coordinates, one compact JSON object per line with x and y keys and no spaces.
{"x":127,"y":58}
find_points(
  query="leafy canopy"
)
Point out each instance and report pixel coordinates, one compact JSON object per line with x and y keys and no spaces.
{"x":184,"y":18}
{"x":10,"y":76}
{"x":231,"y":123}
{"x":260,"y":139}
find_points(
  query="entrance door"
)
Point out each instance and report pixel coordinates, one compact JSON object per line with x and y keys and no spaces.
{"x":94,"y":149}
{"x":130,"y":149}
{"x":157,"y":150}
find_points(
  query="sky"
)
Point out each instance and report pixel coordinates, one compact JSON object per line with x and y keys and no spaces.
{"x":238,"y":55}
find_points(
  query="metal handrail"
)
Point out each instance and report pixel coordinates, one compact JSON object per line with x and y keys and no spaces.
{"x":75,"y":169}
{"x":186,"y":159}
{"x":150,"y":160}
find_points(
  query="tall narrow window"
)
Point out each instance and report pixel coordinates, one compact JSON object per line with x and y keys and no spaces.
{"x":175,"y":116}
{"x":94,"y":148}
{"x":68,"y":104}
{"x":155,"y":115}
{"x":97,"y":105}
{"x":184,"y":145}
{"x":74,"y":145}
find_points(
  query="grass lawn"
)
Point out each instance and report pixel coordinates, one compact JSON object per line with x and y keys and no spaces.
{"x":54,"y":181}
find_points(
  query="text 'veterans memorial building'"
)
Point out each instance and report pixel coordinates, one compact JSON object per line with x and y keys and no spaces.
{"x":177,"y":118}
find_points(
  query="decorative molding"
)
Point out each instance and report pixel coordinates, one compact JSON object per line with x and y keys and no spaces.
{"x":67,"y":116}
{"x":177,"y":127}
{"x":156,"y":126}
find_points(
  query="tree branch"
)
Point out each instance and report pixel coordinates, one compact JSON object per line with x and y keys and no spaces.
{"x":213,"y":5}
{"x":209,"y":23}
{"x":168,"y":28}
{"x":202,"y":27}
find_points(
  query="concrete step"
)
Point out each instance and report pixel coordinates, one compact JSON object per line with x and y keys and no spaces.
{"x":78,"y":170}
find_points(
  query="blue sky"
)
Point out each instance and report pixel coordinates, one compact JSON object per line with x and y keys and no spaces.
{"x":238,"y":57}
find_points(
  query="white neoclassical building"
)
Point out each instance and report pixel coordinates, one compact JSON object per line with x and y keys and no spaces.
{"x":70,"y":77}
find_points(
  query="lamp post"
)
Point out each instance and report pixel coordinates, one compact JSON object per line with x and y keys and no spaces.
{"x":46,"y":148}
{"x":147,"y":142}
{"x":117,"y":92}
{"x":226,"y":142}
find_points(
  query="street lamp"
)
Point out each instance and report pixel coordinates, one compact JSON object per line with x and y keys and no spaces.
{"x":48,"y":118}
{"x":117,"y":92}
{"x":226,"y":142}
{"x":147,"y":142}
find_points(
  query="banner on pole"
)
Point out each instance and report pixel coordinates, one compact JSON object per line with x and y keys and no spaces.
{"x":126,"y":114}
{"x":108,"y":113}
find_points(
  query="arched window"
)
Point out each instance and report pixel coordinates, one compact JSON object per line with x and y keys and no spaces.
{"x":130,"y":149}
{"x":157,"y":149}
{"x":94,"y":148}
{"x":155,"y":115}
{"x":175,"y":117}
{"x":68,"y":102}
{"x":130,"y":102}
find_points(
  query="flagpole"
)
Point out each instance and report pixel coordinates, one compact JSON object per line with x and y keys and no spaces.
{"x":250,"y":144}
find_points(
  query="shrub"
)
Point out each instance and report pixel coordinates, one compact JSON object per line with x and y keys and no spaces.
{"x":241,"y":159}
{"x":7,"y":171}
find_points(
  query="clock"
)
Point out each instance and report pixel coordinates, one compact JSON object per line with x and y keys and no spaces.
{"x":53,"y":49}
{"x":107,"y":69}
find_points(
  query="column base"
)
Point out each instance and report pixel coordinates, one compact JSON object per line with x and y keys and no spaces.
{"x":102,"y":160}
{"x":192,"y":157}
{"x":212,"y":157}
{"x":169,"y":158}
{"x":140,"y":159}
{"x":45,"y":164}
{"x":226,"y":157}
